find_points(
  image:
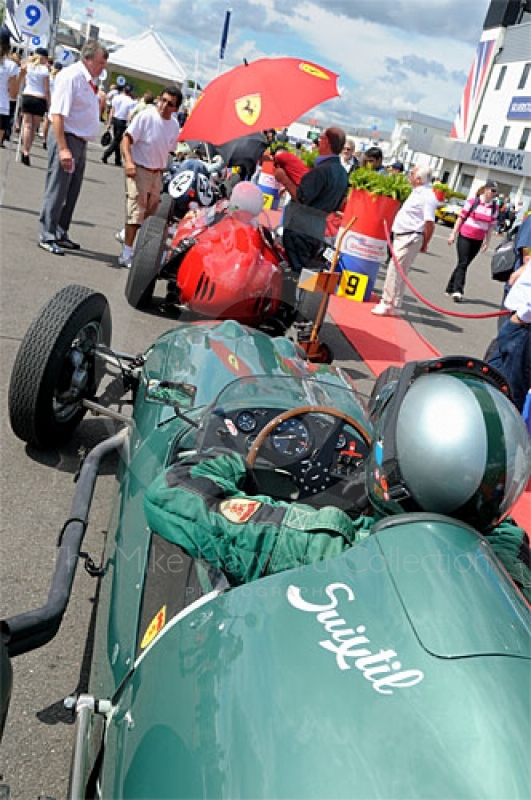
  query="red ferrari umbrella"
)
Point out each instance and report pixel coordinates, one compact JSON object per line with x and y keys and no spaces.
{"x":268,"y":93}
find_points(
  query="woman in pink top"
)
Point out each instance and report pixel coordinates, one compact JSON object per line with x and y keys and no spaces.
{"x":473,"y":228}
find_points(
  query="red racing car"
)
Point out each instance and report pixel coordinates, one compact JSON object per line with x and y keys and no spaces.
{"x":220,"y":262}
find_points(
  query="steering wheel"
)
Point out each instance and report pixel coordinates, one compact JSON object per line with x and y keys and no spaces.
{"x":300,"y":411}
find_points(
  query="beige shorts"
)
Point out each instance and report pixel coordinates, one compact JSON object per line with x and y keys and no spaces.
{"x":143,"y":195}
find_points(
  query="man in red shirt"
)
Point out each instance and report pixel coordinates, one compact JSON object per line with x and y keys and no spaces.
{"x":289,"y":170}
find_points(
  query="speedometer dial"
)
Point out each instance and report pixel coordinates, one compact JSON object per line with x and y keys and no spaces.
{"x":291,"y":438}
{"x":246,"y":421}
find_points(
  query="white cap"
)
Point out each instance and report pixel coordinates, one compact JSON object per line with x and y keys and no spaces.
{"x":247,"y":196}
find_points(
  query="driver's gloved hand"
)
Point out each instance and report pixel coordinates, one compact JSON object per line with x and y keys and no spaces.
{"x":356,"y":490}
{"x":249,"y":484}
{"x":218,"y":474}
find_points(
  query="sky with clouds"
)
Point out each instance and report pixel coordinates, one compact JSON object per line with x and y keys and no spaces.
{"x":391,"y":55}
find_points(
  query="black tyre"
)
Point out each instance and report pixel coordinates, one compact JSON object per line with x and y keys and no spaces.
{"x":326,"y":354}
{"x":146,"y":262}
{"x":388,"y":377}
{"x":6,"y":683}
{"x":56,"y":368}
{"x":165,"y":211}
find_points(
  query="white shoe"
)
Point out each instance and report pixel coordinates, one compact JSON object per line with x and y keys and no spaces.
{"x":119,"y":236}
{"x":385,"y":310}
{"x":123,"y":261}
{"x":457,"y":297}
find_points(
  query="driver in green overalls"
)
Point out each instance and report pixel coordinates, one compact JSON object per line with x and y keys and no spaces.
{"x":445,"y":443}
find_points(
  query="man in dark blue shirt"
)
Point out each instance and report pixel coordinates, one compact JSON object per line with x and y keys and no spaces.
{"x":324,"y":188}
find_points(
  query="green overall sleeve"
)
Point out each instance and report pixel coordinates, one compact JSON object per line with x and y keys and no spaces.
{"x":203,"y":509}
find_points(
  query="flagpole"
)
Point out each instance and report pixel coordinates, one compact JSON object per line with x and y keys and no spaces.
{"x":224,"y":37}
{"x":196,"y":72}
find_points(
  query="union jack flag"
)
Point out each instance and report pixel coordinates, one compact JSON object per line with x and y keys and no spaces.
{"x":473,"y":90}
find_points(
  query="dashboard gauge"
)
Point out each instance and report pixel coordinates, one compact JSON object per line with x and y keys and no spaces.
{"x":246,"y":421}
{"x":291,"y":438}
{"x":341,"y":442}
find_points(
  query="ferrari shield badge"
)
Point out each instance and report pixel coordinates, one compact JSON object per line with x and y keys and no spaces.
{"x":311,"y":69}
{"x":154,"y":627}
{"x":249,"y":108}
{"x":239,"y":509}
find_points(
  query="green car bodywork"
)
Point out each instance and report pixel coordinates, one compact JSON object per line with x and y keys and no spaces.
{"x":399,"y":669}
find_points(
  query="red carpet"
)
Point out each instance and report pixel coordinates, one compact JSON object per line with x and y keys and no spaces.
{"x":385,"y":341}
{"x":380,"y":341}
{"x":521,"y":511}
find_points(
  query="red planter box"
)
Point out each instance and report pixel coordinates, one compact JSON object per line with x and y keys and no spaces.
{"x":370,"y":210}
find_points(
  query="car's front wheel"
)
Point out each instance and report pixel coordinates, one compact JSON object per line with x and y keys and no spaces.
{"x":146,"y":262}
{"x":166,"y":209}
{"x":56,"y":366}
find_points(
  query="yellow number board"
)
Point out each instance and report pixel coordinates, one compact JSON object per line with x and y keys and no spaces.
{"x":268,"y":200}
{"x":352,"y":285}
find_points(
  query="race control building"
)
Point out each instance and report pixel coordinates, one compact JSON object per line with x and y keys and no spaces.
{"x":491,"y":134}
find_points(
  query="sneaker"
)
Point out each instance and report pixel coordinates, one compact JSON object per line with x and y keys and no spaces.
{"x":67,"y":243}
{"x":457,"y":297}
{"x":123,"y":261}
{"x":119,"y":236}
{"x":385,"y":310}
{"x":52,"y":247}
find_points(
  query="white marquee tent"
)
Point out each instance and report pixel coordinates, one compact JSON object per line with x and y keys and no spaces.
{"x":147,"y":57}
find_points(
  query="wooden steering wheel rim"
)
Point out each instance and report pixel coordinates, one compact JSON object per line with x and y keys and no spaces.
{"x":300,"y":411}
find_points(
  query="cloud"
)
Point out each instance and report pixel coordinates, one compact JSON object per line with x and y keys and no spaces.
{"x":385,"y":65}
{"x":390,"y":55}
{"x":440,"y":18}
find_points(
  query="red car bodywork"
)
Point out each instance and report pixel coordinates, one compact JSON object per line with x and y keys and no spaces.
{"x":231,"y":272}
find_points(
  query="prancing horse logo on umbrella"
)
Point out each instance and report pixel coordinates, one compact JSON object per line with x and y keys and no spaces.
{"x":248,"y":108}
{"x":311,"y":69}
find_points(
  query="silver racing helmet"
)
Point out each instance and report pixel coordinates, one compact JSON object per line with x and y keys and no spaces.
{"x":448,"y":440}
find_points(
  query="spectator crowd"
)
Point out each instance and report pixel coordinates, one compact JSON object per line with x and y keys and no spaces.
{"x":66,"y":108}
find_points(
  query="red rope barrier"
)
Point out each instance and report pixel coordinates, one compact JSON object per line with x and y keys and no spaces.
{"x":427,"y":302}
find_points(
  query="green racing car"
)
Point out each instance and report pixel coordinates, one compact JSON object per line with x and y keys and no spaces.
{"x":301,"y":595}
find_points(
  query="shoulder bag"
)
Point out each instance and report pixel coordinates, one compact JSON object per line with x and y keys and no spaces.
{"x":503,"y":260}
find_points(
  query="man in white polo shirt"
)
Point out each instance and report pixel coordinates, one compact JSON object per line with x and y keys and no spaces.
{"x":145,"y":146}
{"x":121,"y":106}
{"x":412,"y":230}
{"x":75,"y":113}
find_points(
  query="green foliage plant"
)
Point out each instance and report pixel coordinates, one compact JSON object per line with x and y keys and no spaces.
{"x":448,"y":192}
{"x":396,"y":186}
